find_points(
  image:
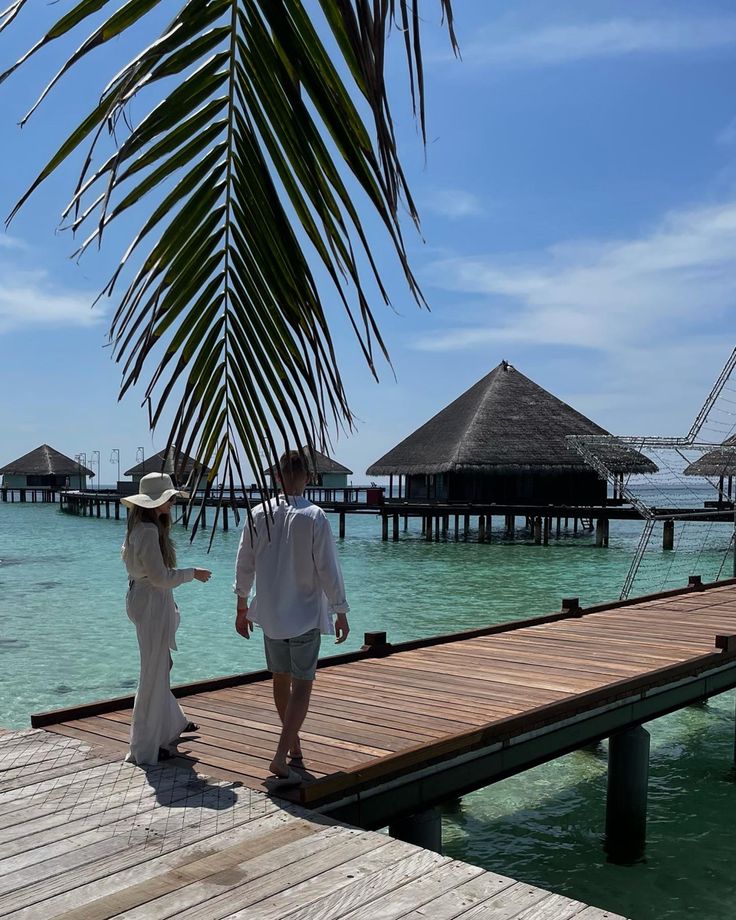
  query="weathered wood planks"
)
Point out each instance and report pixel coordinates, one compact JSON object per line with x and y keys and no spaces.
{"x":107,"y":839}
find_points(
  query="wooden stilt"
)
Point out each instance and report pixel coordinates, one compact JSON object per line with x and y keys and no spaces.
{"x":626,"y":802}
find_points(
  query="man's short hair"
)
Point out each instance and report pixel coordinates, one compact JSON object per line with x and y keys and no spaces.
{"x":294,"y":463}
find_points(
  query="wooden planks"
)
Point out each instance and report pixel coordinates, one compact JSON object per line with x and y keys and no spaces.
{"x":371,"y":716}
{"x":107,"y":839}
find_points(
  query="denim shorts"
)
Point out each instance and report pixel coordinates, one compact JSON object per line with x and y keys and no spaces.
{"x":297,"y":656}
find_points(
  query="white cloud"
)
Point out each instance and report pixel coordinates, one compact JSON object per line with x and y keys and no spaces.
{"x":452,"y":203}
{"x":559,"y":44}
{"x":11,"y":242}
{"x":30,"y":298}
{"x":679,"y":279}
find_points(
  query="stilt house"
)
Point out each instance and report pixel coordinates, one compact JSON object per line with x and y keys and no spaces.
{"x":503,"y":442}
{"x":719,"y":464}
{"x":45,"y":467}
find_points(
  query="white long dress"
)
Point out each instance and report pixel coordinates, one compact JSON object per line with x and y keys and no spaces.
{"x":158,"y":719}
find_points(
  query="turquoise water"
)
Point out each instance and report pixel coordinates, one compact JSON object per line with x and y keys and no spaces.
{"x":64,"y":638}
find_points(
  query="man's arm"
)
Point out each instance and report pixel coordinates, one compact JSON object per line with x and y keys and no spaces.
{"x":324,"y":554}
{"x":245,"y":571}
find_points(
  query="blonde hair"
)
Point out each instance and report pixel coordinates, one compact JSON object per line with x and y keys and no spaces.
{"x":163,"y":523}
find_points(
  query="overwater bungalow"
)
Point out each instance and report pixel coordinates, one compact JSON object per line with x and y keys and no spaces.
{"x":503,"y":441}
{"x":45,"y":468}
{"x":720,"y":464}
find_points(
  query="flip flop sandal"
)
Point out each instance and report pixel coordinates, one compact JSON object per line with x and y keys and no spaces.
{"x":164,"y":754}
{"x":297,"y":762}
{"x":189,"y":728}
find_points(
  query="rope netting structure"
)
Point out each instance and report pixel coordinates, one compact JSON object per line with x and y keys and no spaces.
{"x":686,"y":500}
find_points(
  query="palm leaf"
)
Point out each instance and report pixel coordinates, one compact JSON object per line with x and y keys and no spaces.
{"x":245,"y":164}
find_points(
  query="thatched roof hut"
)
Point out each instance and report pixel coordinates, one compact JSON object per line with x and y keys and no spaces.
{"x":178,"y":465}
{"x":43,"y":466}
{"x":719,"y":462}
{"x":502,"y":440}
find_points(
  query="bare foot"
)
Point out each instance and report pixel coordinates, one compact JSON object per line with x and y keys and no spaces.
{"x":296,"y":752}
{"x":279,"y":768}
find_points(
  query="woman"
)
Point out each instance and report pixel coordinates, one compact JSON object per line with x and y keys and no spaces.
{"x":150,"y":559}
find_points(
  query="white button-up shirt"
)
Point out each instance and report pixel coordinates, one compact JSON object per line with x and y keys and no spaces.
{"x":292,"y":558}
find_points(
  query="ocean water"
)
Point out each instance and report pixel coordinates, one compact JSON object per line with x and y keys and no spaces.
{"x":65,"y":638}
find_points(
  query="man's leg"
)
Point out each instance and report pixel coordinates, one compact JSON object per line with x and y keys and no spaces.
{"x":303,"y":655}
{"x":296,"y":713}
{"x":281,"y":694}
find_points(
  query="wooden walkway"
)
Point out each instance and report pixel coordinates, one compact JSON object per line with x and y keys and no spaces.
{"x":87,"y":837}
{"x":460,"y":711}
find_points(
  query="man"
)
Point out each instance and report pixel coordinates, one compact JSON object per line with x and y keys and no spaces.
{"x":290,"y":552}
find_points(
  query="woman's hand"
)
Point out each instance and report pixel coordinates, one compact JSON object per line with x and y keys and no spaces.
{"x":202,"y":574}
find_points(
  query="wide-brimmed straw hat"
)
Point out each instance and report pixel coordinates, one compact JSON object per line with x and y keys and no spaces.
{"x":155,"y":490}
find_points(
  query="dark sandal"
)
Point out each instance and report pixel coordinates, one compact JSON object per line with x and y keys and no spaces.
{"x":189,"y":728}
{"x":164,"y":754}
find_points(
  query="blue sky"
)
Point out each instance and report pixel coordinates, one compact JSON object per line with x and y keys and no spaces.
{"x":578,"y":202}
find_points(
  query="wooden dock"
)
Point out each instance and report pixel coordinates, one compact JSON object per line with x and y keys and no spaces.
{"x":88,"y":837}
{"x":398,"y":729}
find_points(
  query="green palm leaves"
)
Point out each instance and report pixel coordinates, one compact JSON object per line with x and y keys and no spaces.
{"x":242,"y":157}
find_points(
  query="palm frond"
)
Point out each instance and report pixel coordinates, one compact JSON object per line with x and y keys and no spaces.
{"x":245,"y":162}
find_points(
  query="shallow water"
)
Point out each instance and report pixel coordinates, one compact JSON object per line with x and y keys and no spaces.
{"x":64,"y":638}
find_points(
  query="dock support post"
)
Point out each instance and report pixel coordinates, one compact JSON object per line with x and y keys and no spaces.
{"x":406,"y":522}
{"x":600,"y":532}
{"x":575,"y":526}
{"x":445,"y":525}
{"x":545,"y":533}
{"x":538,"y":530}
{"x":457,"y":527}
{"x":626,"y":801}
{"x":481,"y":528}
{"x":559,"y":527}
{"x":342,"y":525}
{"x":423,"y":829}
{"x":510,"y":525}
{"x":668,"y":535}
{"x":384,"y":527}
{"x":396,"y":528}
{"x":117,"y":510}
{"x":466,"y":527}
{"x":225,"y":522}
{"x":428,"y":528}
{"x":437,"y":528}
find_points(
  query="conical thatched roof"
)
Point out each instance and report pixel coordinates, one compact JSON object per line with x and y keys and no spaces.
{"x":165,"y":462}
{"x":718,"y":462}
{"x":505,"y":423}
{"x":320,"y":463}
{"x":45,"y":461}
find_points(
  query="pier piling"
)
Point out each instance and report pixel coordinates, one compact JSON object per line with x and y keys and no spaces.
{"x":423,"y":829}
{"x":626,"y":801}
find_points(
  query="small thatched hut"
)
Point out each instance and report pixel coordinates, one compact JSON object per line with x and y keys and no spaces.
{"x":182,"y":469}
{"x":326,"y":472}
{"x":720,"y":463}
{"x":45,"y":467}
{"x":502,"y":441}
